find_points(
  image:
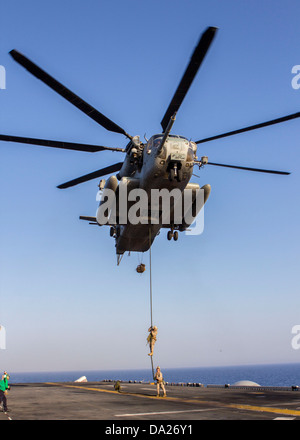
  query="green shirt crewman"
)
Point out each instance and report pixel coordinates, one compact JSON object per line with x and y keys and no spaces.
{"x":3,"y":390}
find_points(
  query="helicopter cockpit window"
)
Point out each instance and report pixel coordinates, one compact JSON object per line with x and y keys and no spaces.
{"x":157,"y":142}
{"x":193,"y":146}
{"x":190,"y":155}
{"x":149,"y":145}
{"x":153,"y":142}
{"x":191,"y":151}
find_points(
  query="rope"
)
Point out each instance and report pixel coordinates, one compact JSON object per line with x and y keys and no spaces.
{"x":152,"y":367}
{"x":151,"y":307}
{"x":151,"y":314}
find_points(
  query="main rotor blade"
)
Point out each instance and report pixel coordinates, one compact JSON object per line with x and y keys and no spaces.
{"x":90,"y":176}
{"x":248,"y":168}
{"x":189,"y":75}
{"x":251,"y":127}
{"x":67,"y":94}
{"x":58,"y":144}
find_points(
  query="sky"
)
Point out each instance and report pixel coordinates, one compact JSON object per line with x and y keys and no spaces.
{"x":229,"y":296}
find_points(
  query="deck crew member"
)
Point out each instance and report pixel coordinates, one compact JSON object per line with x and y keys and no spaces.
{"x":3,"y":390}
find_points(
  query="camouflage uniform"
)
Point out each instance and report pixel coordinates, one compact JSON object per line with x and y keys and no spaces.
{"x":159,"y":382}
{"x":152,"y":338}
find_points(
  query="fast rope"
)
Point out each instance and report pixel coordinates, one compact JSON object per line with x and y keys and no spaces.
{"x":151,"y":307}
{"x":150,"y":263}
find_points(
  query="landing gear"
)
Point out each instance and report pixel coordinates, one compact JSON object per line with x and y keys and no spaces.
{"x":172,"y":234}
{"x":175,"y":172}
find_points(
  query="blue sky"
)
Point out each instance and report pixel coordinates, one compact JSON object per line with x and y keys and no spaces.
{"x":228,"y":296}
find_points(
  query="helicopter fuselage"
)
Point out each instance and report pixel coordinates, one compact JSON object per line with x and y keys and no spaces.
{"x":154,"y":166}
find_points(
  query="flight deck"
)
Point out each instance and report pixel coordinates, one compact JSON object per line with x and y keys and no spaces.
{"x":138,"y":401}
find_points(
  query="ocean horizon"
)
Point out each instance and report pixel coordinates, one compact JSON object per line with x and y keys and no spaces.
{"x":263,"y":374}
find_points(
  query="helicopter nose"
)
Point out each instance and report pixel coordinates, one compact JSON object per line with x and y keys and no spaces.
{"x":178,"y":153}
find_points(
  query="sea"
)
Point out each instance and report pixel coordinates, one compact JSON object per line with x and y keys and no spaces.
{"x":275,"y":375}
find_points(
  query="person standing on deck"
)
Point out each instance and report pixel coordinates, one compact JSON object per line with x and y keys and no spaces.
{"x":159,"y":382}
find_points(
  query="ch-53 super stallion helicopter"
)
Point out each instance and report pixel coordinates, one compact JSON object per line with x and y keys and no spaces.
{"x":164,"y":161}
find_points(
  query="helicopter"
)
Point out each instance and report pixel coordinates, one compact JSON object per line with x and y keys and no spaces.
{"x":164,"y":162}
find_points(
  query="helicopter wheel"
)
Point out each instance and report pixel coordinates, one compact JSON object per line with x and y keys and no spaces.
{"x":175,"y":235}
{"x":170,"y":235}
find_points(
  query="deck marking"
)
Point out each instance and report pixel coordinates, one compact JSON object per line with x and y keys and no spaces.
{"x":164,"y":412}
{"x":244,"y":407}
{"x":284,"y":418}
{"x":264,"y":409}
